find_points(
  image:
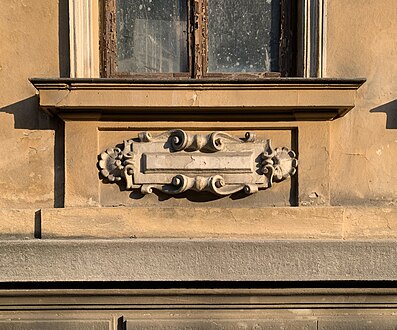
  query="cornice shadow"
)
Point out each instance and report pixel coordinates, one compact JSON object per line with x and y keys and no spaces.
{"x":28,"y":116}
{"x":390,"y":109}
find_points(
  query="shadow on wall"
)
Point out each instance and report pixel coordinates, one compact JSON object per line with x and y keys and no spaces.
{"x":63,"y":38}
{"x":27,"y":115}
{"x":390,"y":109}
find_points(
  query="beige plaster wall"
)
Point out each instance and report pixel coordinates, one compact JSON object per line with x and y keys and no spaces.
{"x":28,"y":48}
{"x":362,"y":42}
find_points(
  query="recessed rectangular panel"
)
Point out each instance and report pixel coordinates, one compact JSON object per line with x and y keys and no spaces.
{"x":281,"y":194}
{"x":241,"y":162}
{"x":54,"y":325}
{"x":221,"y":324}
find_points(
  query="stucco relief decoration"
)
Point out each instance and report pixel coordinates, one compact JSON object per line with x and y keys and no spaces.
{"x":176,"y":161}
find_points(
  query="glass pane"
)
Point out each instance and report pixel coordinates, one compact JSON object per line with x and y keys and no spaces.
{"x":151,"y":36}
{"x":243,"y":35}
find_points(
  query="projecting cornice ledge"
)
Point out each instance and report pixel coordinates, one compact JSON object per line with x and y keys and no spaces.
{"x":270,"y":99}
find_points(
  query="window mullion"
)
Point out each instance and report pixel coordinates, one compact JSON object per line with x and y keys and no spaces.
{"x":200,"y":38}
{"x":286,"y":47}
{"x":109,"y":38}
{"x":190,"y":35}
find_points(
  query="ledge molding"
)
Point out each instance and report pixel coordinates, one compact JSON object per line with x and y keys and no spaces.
{"x":272,"y":99}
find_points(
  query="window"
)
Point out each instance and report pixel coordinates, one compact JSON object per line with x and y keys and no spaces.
{"x":198,"y":38}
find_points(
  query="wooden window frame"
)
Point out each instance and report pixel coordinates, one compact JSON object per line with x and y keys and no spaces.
{"x":198,"y":45}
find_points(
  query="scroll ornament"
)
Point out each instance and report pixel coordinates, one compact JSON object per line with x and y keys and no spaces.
{"x":176,"y":161}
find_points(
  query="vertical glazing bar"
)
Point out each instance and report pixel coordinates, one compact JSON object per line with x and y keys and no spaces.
{"x":108,"y":39}
{"x":197,"y":39}
{"x":313,"y":40}
{"x":322,"y":26}
{"x":286,"y":38}
{"x":190,"y":36}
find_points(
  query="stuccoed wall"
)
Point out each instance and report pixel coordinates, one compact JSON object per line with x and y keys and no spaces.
{"x":361,"y":42}
{"x":328,"y":245}
{"x":29,"y":48}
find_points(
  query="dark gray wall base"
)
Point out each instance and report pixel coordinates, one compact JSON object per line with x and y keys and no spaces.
{"x":198,"y":309}
{"x":197,"y":260}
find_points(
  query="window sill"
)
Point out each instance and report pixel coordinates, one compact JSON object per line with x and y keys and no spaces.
{"x":268,"y":99}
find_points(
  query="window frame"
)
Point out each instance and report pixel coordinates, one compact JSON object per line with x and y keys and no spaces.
{"x":197,"y":44}
{"x":84,"y":38}
{"x":85,"y":34}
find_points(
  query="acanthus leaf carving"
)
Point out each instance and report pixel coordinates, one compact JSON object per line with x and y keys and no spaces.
{"x":176,"y":161}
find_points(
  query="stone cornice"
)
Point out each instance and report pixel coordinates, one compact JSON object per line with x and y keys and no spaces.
{"x":270,"y":99}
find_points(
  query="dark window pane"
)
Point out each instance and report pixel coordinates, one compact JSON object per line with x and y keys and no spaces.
{"x":151,"y":36}
{"x":243,"y":35}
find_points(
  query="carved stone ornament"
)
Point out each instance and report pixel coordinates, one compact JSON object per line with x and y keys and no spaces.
{"x":176,"y":161}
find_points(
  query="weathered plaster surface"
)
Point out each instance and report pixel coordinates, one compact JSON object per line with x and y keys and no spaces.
{"x":316,"y":223}
{"x":356,"y":164}
{"x":351,"y":160}
{"x":29,"y":39}
{"x":362,"y":43}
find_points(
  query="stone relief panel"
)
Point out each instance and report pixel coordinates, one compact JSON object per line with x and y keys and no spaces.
{"x":176,"y":161}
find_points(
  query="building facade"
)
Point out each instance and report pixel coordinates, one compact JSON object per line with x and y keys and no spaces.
{"x":214,"y":197}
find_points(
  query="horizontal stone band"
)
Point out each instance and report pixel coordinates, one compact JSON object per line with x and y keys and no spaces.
{"x":197,"y":260}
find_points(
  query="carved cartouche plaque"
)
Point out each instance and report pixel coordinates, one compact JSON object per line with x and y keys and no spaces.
{"x":176,"y":161}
